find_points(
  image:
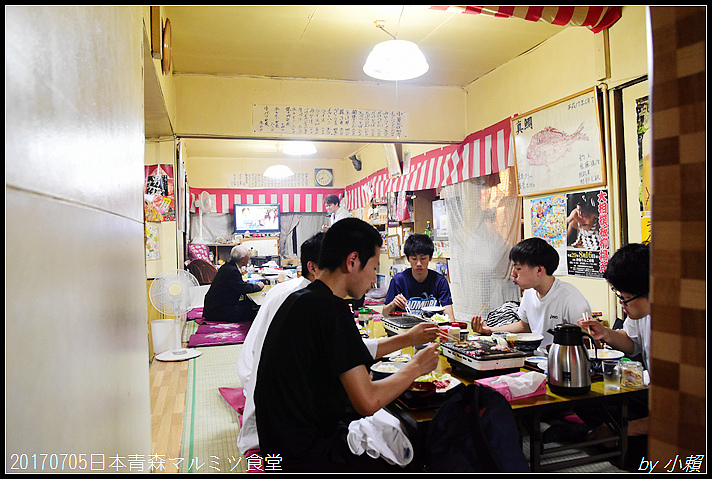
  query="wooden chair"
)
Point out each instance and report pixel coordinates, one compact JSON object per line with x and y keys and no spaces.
{"x":204,"y":271}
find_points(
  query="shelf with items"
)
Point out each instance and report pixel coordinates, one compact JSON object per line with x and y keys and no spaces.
{"x":264,"y":246}
{"x":378,"y":214}
{"x":420,"y":209}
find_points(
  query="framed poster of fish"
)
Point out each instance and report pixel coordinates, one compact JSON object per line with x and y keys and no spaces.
{"x":559,"y":147}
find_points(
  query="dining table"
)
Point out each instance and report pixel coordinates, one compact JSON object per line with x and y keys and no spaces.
{"x":529,"y":412}
{"x":259,"y":296}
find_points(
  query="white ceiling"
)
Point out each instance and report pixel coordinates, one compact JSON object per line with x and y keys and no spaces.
{"x":332,"y":42}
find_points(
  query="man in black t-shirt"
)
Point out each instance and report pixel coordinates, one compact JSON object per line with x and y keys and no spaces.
{"x":314,"y":363}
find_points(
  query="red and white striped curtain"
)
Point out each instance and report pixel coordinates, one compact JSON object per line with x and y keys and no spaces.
{"x":595,"y":18}
{"x":484,"y":152}
{"x":292,"y":200}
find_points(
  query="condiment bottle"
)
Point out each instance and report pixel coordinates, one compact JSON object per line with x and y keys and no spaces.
{"x":428,"y":230}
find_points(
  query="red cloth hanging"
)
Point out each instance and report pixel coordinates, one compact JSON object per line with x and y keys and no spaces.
{"x":595,"y":18}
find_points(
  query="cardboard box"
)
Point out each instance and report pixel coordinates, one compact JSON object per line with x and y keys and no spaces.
{"x":503,"y":388}
{"x":289,"y":262}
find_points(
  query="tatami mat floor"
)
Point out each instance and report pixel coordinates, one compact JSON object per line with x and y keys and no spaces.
{"x":205,"y":442}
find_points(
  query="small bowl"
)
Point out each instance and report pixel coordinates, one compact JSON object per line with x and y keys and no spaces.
{"x":383,"y":369}
{"x":429,"y":311}
{"x":528,"y":341}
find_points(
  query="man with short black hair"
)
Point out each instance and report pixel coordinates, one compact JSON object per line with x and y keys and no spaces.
{"x":418,"y":279}
{"x":546,"y":301}
{"x":314,"y":363}
{"x":334,"y":208}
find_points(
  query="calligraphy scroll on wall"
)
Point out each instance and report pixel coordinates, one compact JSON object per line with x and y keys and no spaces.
{"x":328,"y":122}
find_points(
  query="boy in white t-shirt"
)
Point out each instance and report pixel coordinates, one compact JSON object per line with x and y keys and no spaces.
{"x":546,"y":301}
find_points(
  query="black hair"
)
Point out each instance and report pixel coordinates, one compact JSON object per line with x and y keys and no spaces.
{"x":417,"y":244}
{"x":535,"y":252}
{"x":628,"y":270}
{"x":310,"y":251}
{"x":343,"y":238}
{"x":331,"y":200}
{"x":588,"y":203}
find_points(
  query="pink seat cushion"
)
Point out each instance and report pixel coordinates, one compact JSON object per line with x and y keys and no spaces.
{"x":198,"y":251}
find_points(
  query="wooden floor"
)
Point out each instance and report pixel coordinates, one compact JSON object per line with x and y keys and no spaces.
{"x":169,"y":380}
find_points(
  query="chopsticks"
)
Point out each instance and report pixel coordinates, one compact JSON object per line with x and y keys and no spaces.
{"x":588,"y":329}
{"x":441,"y":334}
{"x":482,"y":309}
{"x":447,"y":336}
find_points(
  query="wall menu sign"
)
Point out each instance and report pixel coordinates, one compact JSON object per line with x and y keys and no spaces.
{"x":559,"y":147}
{"x":329,"y":122}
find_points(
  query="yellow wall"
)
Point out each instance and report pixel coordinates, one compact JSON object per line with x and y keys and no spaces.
{"x":222,"y":106}
{"x":163,"y":152}
{"x":565,"y":64}
{"x":572,"y":61}
{"x":213,"y":172}
{"x":212,"y":105}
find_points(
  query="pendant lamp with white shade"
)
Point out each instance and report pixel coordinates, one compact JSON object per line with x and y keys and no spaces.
{"x":278,"y":171}
{"x":396,"y":60}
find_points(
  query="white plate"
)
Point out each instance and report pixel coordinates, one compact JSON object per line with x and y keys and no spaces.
{"x":529,"y":337}
{"x":538,"y":362}
{"x":453,"y":382}
{"x":606,"y":354}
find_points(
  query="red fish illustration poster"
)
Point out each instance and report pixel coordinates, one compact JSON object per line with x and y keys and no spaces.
{"x":558,"y":147}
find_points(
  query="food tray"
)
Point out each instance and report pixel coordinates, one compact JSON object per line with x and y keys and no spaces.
{"x":464,"y":356}
{"x":400,"y":324}
{"x":483,"y":349}
{"x":416,"y":401}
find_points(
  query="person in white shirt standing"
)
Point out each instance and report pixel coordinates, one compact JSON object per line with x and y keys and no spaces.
{"x":334,"y":208}
{"x":546,"y":301}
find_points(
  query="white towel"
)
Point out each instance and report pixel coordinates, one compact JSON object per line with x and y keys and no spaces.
{"x":380,"y":435}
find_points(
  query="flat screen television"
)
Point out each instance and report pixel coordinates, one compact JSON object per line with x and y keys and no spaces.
{"x":256,"y":218}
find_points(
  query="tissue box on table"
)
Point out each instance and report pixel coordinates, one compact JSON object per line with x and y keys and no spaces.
{"x":517,"y":385}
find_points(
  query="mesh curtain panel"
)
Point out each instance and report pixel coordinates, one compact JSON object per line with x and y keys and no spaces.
{"x":484,"y":222}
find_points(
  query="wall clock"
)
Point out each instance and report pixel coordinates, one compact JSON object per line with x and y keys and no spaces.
{"x":324,"y":176}
{"x":167,"y":48}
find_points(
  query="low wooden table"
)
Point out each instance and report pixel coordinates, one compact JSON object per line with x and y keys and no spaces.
{"x":529,"y":412}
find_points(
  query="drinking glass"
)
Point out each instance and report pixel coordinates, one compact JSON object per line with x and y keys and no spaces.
{"x":611,"y":374}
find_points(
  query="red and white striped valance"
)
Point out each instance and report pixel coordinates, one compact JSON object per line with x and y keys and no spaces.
{"x":484,"y":152}
{"x":595,"y":18}
{"x":292,"y":200}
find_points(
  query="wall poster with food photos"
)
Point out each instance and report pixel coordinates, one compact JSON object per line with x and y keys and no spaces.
{"x":577,"y":226}
{"x":159,"y":197}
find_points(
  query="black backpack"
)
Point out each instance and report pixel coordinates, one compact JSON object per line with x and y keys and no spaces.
{"x":475,"y":431}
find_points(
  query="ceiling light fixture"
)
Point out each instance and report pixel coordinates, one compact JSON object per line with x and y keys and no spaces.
{"x":395,"y":60}
{"x":297,"y":148}
{"x":278,"y":171}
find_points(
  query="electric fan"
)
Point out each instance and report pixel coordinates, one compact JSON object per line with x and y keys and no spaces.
{"x":204,"y":204}
{"x":172,"y":293}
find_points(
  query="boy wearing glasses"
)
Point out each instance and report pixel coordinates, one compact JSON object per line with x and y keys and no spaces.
{"x":628,"y":273}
